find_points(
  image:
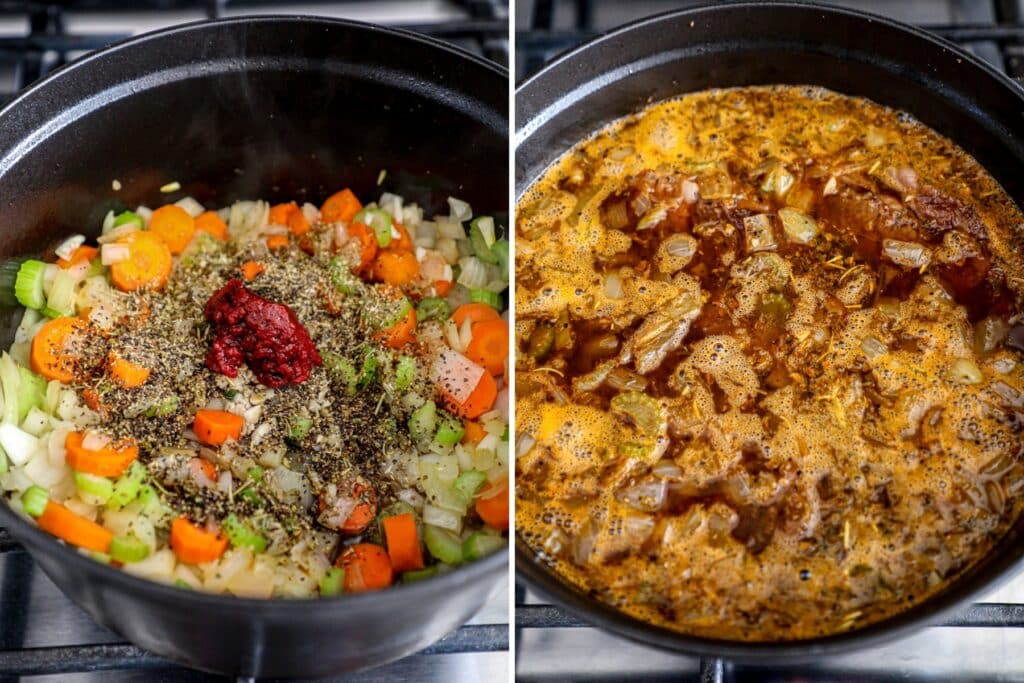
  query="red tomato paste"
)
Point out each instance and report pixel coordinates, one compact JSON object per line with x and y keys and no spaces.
{"x":264,"y":335}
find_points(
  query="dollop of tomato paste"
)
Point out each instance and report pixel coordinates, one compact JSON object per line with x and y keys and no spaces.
{"x":265,"y":335}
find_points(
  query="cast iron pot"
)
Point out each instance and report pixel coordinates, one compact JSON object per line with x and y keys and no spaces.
{"x":274,"y":108}
{"x":764,"y":43}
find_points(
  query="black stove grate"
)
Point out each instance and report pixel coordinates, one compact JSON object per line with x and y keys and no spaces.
{"x":992,"y":30}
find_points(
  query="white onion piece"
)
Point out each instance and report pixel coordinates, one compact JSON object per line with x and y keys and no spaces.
{"x":613,"y":286}
{"x":690,"y":192}
{"x":446,"y":519}
{"x":114,"y":253}
{"x":459,"y":210}
{"x":191,"y":206}
{"x":49,"y":275}
{"x":647,"y":496}
{"x":68,"y":246}
{"x":198,"y":474}
{"x":524,"y":444}
{"x":117,"y":233}
{"x":667,"y":470}
{"x":95,"y":440}
{"x":906,"y":254}
{"x":340,"y":235}
{"x":412,"y":497}
{"x":18,"y":445}
{"x":798,"y":226}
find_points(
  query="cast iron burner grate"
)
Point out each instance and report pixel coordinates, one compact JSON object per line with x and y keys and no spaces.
{"x":551,"y":644}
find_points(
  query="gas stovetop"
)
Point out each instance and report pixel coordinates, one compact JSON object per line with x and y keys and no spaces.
{"x":43,"y":636}
{"x":984,"y":642}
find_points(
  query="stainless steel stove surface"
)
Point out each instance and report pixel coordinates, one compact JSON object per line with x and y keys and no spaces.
{"x":43,"y":636}
{"x":984,"y":642}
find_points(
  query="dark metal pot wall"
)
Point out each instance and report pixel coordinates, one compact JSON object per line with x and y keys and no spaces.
{"x":765,"y":43}
{"x":269,"y":108}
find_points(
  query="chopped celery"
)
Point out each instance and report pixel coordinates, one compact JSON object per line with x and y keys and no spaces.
{"x":152,"y":507}
{"x":34,"y":500}
{"x":28,"y":285}
{"x":342,"y":277}
{"x":423,"y":421}
{"x":255,"y":473}
{"x":481,"y":238}
{"x":182,"y":583}
{"x":483,"y":296}
{"x":432,"y":308}
{"x":396,"y":313}
{"x":468,"y":483}
{"x":10,"y":380}
{"x":127,"y":486}
{"x":126,"y":217}
{"x":500,"y":250}
{"x":93,"y":489}
{"x":61,"y":301}
{"x":369,"y":370}
{"x":31,"y":392}
{"x":298,"y":429}
{"x":341,"y":370}
{"x":251,"y":497}
{"x":166,"y":407}
{"x":242,"y":535}
{"x":419,"y":574}
{"x":95,"y":267}
{"x":8,"y":275}
{"x":379,"y":221}
{"x":333,"y":582}
{"x":128,"y":549}
{"x":450,"y":431}
{"x":405,"y":373}
{"x":481,"y":543}
{"x":442,"y":544}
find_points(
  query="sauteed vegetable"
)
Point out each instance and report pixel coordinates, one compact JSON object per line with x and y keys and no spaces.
{"x":265,"y":400}
{"x":770,"y":381}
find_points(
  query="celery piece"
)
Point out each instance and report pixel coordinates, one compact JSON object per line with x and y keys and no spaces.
{"x":298,"y":429}
{"x":34,"y":500}
{"x":10,"y":380}
{"x":182,"y":583}
{"x":28,"y":285}
{"x":95,"y":267}
{"x":419,"y":574}
{"x":93,"y":489}
{"x":342,"y":277}
{"x":423,"y":421}
{"x":481,"y":543}
{"x":167,"y":406}
{"x":432,"y":308}
{"x":341,"y":370}
{"x":127,"y":486}
{"x":126,"y":217}
{"x":500,"y":250}
{"x":483,"y":296}
{"x":442,"y":544}
{"x":242,"y":535}
{"x":449,"y":431}
{"x":251,"y":497}
{"x":405,"y":373}
{"x":255,"y":473}
{"x":396,"y":312}
{"x":8,"y":275}
{"x":379,"y":221}
{"x":128,"y":549}
{"x":369,"y":370}
{"x":481,"y":238}
{"x":31,"y":392}
{"x":61,"y":301}
{"x":468,"y":483}
{"x":333,"y":582}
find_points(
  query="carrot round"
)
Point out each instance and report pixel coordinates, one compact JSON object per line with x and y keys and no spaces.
{"x":174,"y":226}
{"x":109,"y":461}
{"x":367,"y":567}
{"x":340,"y":206}
{"x":396,"y":268}
{"x":489,"y":345}
{"x":193,"y":545}
{"x":148,"y":265}
{"x":250,"y":269}
{"x":492,"y":505}
{"x":474,"y":432}
{"x":128,"y":374}
{"x":275,"y":242}
{"x":50,"y":356}
{"x":291,"y":216}
{"x":80,"y":254}
{"x":480,"y":400}
{"x":401,"y":333}
{"x":209,"y":469}
{"x":442,"y":287}
{"x":367,"y":244}
{"x":403,"y":542}
{"x":214,"y":427}
{"x":477,"y":313}
{"x":212,"y":224}
{"x":73,"y":528}
{"x":363,"y":513}
{"x":403,"y":242}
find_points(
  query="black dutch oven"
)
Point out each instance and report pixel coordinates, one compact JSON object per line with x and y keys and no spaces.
{"x":275,"y":108}
{"x":739,"y":44}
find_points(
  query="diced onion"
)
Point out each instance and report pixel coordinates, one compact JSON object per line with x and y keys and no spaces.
{"x":117,"y":233}
{"x":191,"y":206}
{"x":907,"y":254}
{"x":446,"y":519}
{"x":690,"y":192}
{"x":114,"y":253}
{"x":613,"y":286}
{"x":798,"y":226}
{"x":17,"y":444}
{"x":68,"y":246}
{"x":965,"y":371}
{"x":459,"y":210}
{"x":873,"y":348}
{"x":474,"y":273}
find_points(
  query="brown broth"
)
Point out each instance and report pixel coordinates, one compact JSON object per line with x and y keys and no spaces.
{"x":834,"y":421}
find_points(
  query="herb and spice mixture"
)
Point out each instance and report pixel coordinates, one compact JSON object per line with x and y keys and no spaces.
{"x":265,"y":400}
{"x":769,"y":373}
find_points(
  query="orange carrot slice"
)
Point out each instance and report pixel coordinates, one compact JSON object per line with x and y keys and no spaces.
{"x":340,"y":206}
{"x":400,"y":334}
{"x":128,"y":374}
{"x":275,"y":242}
{"x":212,"y":224}
{"x":477,"y":313}
{"x":82,"y":253}
{"x":149,"y":263}
{"x":492,"y":505}
{"x":193,"y":545}
{"x":489,"y":345}
{"x":214,"y":427}
{"x":109,"y":461}
{"x":73,"y":528}
{"x":396,"y":268}
{"x":367,"y":245}
{"x":174,"y":226}
{"x":50,"y":356}
{"x":403,"y":542}
{"x":474,"y":432}
{"x":250,"y":269}
{"x":367,"y":567}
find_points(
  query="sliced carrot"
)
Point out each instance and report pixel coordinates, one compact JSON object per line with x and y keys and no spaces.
{"x":489,"y":345}
{"x":92,"y":399}
{"x":50,"y":355}
{"x":442,"y":287}
{"x":480,"y":400}
{"x":73,"y":528}
{"x":403,"y":242}
{"x":403,"y":542}
{"x":193,"y":545}
{"x":290,"y":215}
{"x":214,"y":427}
{"x":367,"y":244}
{"x":492,"y":505}
{"x":209,"y":469}
{"x":149,"y":262}
{"x":340,"y":206}
{"x":364,"y":511}
{"x":477,"y":313}
{"x":250,"y":269}
{"x":401,"y":333}
{"x":367,"y":567}
{"x":396,"y":268}
{"x":109,"y":461}
{"x":174,"y":226}
{"x":128,"y":374}
{"x":82,"y":253}
{"x":474,"y":432}
{"x":212,"y":224}
{"x":275,"y":242}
